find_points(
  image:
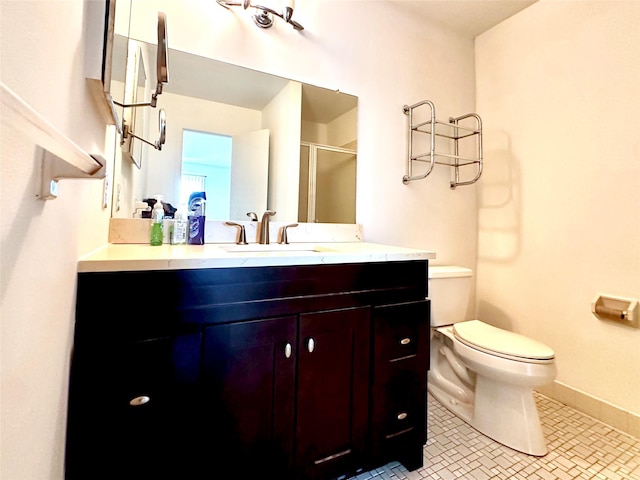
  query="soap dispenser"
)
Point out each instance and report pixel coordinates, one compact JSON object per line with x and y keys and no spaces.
{"x":157,"y":216}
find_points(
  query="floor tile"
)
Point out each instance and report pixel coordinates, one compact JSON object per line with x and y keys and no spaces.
{"x":580,"y":448}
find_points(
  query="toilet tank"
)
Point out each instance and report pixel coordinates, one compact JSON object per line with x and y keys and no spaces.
{"x":450,"y":293}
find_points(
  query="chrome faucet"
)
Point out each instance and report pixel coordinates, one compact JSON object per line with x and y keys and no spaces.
{"x":264,"y":227}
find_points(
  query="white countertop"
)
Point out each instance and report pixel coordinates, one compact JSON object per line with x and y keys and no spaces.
{"x":129,"y":257}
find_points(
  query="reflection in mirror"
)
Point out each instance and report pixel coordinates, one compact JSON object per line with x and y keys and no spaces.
{"x":162,"y":66}
{"x":249,"y":173}
{"x":162,"y":58}
{"x":162,"y":128}
{"x":231,"y":170}
{"x":128,"y":135}
{"x":327,"y":184}
{"x":134,"y":119}
{"x":216,"y":98}
{"x":134,"y":89}
{"x":118,"y":73}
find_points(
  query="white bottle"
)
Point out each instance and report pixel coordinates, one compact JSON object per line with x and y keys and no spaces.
{"x":179,"y":227}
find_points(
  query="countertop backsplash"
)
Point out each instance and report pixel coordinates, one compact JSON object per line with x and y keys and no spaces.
{"x":136,"y":231}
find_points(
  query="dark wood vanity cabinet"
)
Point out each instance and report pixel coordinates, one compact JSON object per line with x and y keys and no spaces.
{"x":301,"y":372}
{"x":290,"y":394}
{"x":333,"y":392}
{"x":399,"y":417}
{"x":248,"y":382}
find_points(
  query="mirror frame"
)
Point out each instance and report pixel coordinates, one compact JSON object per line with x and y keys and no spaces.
{"x":107,"y":10}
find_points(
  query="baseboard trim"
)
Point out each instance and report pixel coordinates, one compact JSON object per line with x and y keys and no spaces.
{"x":617,"y":417}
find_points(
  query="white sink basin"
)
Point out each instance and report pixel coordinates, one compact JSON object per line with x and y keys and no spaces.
{"x":272,"y":247}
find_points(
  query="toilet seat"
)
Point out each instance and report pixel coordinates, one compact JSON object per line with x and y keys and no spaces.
{"x":495,"y":341}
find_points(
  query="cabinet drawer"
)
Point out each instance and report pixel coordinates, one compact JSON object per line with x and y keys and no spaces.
{"x":403,"y":402}
{"x":399,"y":394}
{"x":400,"y":329}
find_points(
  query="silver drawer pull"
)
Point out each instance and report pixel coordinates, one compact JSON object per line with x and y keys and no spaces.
{"x":141,"y":400}
{"x":405,"y":341}
{"x":287,"y":350}
{"x":402,"y":416}
{"x":311,"y":345}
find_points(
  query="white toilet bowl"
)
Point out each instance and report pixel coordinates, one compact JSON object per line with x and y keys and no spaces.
{"x":486,"y":376}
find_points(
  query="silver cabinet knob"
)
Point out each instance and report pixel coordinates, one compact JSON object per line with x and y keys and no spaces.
{"x":287,"y":350}
{"x":311,"y":345}
{"x":405,"y":341}
{"x":140,"y":400}
{"x":402,"y":415}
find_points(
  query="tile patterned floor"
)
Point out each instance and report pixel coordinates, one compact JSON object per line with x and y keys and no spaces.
{"x":580,"y":447}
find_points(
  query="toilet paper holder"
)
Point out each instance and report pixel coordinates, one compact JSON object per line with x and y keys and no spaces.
{"x":617,"y":309}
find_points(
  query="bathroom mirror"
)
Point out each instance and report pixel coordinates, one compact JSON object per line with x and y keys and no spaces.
{"x":213,"y":97}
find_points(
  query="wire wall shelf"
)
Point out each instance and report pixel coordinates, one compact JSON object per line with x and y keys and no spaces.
{"x":468,"y":132}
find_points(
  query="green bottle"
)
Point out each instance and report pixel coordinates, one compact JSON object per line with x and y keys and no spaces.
{"x":157,"y":230}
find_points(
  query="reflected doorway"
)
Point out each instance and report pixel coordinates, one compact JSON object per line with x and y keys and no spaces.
{"x":207,"y":156}
{"x":234,"y":171}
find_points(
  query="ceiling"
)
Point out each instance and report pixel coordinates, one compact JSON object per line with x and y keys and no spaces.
{"x":469,"y":17}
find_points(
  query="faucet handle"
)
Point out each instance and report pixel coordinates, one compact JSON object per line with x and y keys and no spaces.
{"x":242,"y":238}
{"x":285,"y":239}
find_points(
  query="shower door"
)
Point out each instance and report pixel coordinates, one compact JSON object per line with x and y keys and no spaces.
{"x":327,"y":192}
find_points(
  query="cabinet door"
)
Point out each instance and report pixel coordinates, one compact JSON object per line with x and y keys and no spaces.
{"x":401,"y":354}
{"x":131,"y":408}
{"x":333,"y":391}
{"x":248,"y":383}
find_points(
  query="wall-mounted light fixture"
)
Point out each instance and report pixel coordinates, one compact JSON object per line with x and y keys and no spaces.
{"x":264,"y":15}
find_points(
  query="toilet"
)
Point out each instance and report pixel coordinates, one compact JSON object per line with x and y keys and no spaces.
{"x":483,"y":374}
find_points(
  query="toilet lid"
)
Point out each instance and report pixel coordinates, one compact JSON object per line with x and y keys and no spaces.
{"x":485,"y":337}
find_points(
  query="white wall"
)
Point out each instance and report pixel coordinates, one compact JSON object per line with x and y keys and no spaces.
{"x":558,"y":87}
{"x":42,"y":61}
{"x":357,"y":47}
{"x":358,"y":51}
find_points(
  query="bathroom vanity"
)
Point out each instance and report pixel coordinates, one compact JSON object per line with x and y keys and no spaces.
{"x":196,"y":362}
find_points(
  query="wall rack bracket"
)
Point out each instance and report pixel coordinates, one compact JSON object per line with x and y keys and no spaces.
{"x":452,"y":130}
{"x":55,"y":168}
{"x":61,"y":157}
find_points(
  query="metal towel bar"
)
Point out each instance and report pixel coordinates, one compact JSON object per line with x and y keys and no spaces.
{"x":60,"y":157}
